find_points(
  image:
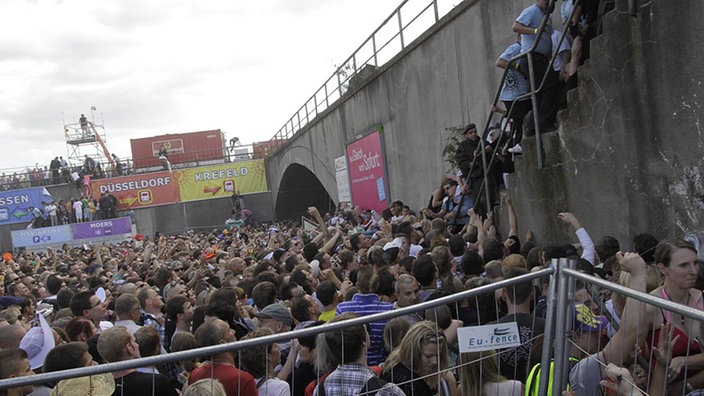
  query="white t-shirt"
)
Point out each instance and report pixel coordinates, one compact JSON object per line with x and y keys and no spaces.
{"x":274,"y":387}
{"x":506,"y":388}
{"x":78,"y":207}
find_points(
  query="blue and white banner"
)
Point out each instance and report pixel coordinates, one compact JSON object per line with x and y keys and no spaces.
{"x":484,"y":338}
{"x":14,"y":204}
{"x":42,"y":236}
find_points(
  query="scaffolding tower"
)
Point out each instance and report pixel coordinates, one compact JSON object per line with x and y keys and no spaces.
{"x":86,"y":138}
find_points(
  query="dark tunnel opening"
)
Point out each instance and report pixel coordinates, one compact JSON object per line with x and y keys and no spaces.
{"x":299,"y":189}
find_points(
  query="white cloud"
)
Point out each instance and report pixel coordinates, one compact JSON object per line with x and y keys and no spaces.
{"x":166,"y":66}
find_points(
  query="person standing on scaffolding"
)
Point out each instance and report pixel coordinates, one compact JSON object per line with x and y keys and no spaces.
{"x":164,"y":157}
{"x":84,"y":125}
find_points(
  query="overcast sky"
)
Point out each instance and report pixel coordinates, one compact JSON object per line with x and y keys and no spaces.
{"x":166,"y":66}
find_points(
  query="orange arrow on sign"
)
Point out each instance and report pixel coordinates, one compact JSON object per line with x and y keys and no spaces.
{"x":211,"y":189}
{"x":129,"y":200}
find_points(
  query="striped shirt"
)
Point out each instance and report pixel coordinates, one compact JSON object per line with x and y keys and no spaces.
{"x":368,"y":304}
{"x":349,"y":379}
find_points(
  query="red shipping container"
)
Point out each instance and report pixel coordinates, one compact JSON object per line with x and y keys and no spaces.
{"x":192,"y":147}
{"x":262,"y":149}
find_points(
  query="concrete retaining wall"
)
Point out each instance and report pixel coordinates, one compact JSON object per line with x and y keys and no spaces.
{"x":626,"y":159}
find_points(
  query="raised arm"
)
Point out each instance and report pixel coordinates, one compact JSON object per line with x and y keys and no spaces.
{"x":621,"y":344}
{"x":663,"y":356}
{"x":512,"y":218}
{"x":588,"y":251}
{"x":313,"y":211}
{"x":330,"y":243}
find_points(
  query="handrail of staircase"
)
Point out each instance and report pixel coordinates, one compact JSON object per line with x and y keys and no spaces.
{"x":532,"y":93}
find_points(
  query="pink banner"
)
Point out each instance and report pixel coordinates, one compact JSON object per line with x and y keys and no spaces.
{"x":366,"y":166}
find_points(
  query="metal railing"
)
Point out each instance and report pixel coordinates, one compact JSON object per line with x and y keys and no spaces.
{"x":25,"y":177}
{"x":561,"y":305}
{"x":266,"y":340}
{"x":558,"y":322}
{"x":397,"y":29}
{"x":532,"y":94}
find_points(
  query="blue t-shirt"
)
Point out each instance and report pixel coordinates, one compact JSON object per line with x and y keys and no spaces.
{"x":531,"y":17}
{"x":462,"y":216}
{"x":516,"y":84}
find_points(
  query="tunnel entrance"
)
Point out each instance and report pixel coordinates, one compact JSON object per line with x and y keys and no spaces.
{"x":298,"y":190}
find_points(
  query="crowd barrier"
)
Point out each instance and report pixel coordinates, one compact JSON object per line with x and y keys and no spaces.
{"x":559,"y":319}
{"x":282,"y":337}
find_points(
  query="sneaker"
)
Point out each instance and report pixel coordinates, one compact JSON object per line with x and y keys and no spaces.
{"x":517,"y":149}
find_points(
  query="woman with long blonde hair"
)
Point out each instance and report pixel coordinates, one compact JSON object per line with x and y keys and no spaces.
{"x":479,"y":376}
{"x":419,"y":364}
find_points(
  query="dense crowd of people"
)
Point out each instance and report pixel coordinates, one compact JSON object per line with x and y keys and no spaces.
{"x":75,"y":307}
{"x":75,"y":210}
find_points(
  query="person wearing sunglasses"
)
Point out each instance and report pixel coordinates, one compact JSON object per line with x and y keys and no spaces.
{"x":87,"y":305}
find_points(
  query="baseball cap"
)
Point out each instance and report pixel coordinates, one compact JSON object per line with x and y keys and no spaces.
{"x":395,"y":243}
{"x":37,"y":342}
{"x":587,"y":321}
{"x":276,"y":311}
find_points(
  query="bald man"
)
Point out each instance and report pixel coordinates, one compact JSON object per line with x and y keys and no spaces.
{"x":11,"y":335}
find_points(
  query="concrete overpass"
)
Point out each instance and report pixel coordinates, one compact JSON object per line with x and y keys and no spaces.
{"x":626,"y":158}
